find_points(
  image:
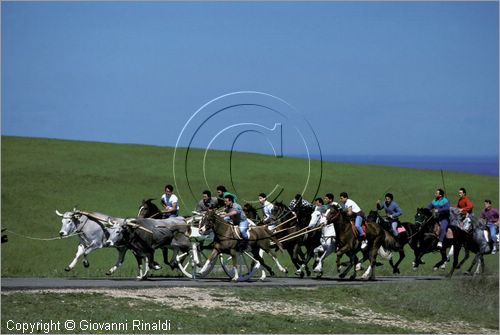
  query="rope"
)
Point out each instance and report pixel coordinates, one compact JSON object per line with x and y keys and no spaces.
{"x":297,"y":234}
{"x":41,"y":239}
{"x":282,"y":223}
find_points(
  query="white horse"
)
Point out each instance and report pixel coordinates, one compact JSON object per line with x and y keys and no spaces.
{"x":327,"y":240}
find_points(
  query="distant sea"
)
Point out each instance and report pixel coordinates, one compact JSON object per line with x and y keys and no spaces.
{"x":486,"y":166}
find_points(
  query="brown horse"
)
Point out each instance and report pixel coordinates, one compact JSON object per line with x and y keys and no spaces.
{"x":349,"y":244}
{"x":227,"y":241}
{"x":392,"y":243}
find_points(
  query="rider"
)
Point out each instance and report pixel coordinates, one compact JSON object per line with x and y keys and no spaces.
{"x":392,"y":211}
{"x":206,"y":202}
{"x":490,"y":214}
{"x":234,"y":213}
{"x":298,"y":201}
{"x":170,"y":203}
{"x":220,"y":195}
{"x":267,"y":207}
{"x":329,"y":200}
{"x":441,"y":207}
{"x":353,"y":209}
{"x":319,"y":205}
{"x":465,"y":206}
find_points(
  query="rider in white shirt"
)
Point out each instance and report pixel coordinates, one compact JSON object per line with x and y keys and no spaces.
{"x":267,"y":207}
{"x":352,"y":208}
{"x":170,"y":203}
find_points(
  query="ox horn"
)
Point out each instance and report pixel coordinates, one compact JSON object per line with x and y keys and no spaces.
{"x":59,"y":214}
{"x":131,"y":223}
{"x":109,"y":222}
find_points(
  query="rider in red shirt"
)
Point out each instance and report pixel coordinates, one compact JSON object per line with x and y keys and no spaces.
{"x":464,"y":203}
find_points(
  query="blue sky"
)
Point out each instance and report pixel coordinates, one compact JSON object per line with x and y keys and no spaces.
{"x":388,"y":78}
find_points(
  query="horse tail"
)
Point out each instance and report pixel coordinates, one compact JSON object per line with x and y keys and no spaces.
{"x":386,"y":254}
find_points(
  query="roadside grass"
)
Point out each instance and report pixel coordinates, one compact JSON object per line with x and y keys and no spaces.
{"x":461,"y":305}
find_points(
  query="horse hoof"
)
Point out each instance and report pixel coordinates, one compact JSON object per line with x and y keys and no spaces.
{"x":434,"y":269}
{"x":396,"y":271}
{"x":414,"y":268}
{"x":86,"y":264}
{"x":342,"y":276}
{"x":67,"y":269}
{"x":271,"y":273}
{"x":109,"y":273}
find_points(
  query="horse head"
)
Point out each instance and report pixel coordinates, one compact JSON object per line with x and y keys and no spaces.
{"x":207,"y":222}
{"x":373,"y":216}
{"x":334,"y":214}
{"x":147,"y":209}
{"x":250,"y":211}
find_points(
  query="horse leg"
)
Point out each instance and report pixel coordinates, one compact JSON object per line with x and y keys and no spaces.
{"x":442,"y":261}
{"x":119,"y":261}
{"x":318,"y":259}
{"x":457,"y":248}
{"x":234,"y":255}
{"x":258,"y":256}
{"x":299,"y":265}
{"x":395,"y":267}
{"x":370,"y":272}
{"x":340,"y":253}
{"x":466,"y":257}
{"x":354,"y":260}
{"x":480,"y":265}
{"x":212,"y":256}
{"x":330,"y":248}
{"x":271,"y":253}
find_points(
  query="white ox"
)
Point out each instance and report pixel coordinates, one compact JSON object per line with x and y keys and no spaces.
{"x":92,"y":231}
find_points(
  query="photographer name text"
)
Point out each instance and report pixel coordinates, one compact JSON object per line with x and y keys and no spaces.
{"x":51,"y":326}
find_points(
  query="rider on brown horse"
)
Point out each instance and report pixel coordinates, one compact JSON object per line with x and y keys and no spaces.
{"x":234,"y":213}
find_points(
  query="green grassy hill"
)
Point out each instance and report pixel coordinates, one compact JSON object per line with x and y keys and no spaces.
{"x":41,"y":175}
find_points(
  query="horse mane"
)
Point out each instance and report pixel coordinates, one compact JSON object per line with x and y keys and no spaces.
{"x":372,"y":216}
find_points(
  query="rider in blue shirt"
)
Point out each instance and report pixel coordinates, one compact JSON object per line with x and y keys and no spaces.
{"x":234,"y":213}
{"x":392,"y":211}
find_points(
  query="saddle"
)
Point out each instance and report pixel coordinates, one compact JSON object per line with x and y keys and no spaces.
{"x":355,"y":231}
{"x":236,"y":230}
{"x":386,"y":224}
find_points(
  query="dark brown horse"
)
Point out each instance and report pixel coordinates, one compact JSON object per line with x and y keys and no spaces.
{"x":405,"y":237}
{"x":251,"y":213}
{"x":227,"y":241}
{"x":349,"y":244}
{"x":427,"y":237}
{"x":149,"y":210}
{"x":288,"y":229}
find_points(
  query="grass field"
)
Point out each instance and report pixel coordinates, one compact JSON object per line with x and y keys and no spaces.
{"x":41,"y":175}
